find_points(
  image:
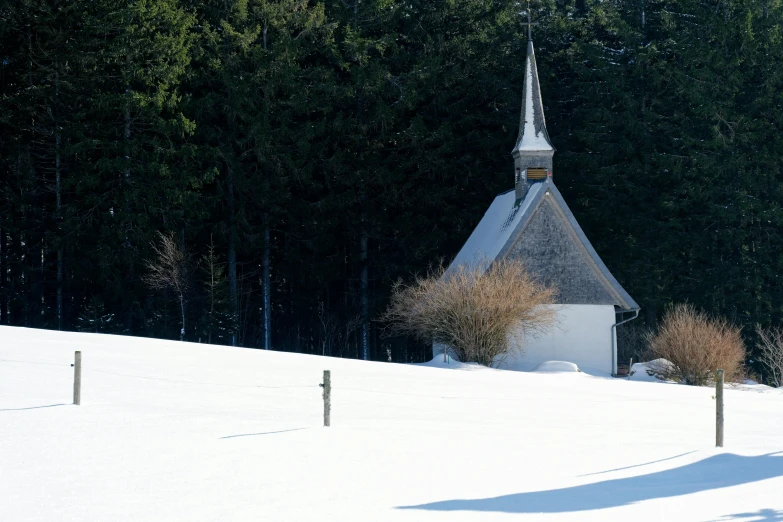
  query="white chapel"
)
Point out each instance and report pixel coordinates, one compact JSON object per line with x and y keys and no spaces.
{"x":533,"y":223}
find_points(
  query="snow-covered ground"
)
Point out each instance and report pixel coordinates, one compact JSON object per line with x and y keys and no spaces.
{"x":173,"y":431}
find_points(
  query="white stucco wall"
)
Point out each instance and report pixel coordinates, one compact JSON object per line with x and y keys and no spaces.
{"x":582,"y":334}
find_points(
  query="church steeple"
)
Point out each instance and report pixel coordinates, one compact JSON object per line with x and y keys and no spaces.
{"x":533,"y":151}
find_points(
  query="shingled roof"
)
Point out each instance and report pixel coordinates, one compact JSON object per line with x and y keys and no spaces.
{"x":541,"y":231}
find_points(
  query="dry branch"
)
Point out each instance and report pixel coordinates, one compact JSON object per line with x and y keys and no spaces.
{"x":168,"y":270}
{"x":696,"y":345}
{"x":480,"y":313}
{"x":771,"y":349}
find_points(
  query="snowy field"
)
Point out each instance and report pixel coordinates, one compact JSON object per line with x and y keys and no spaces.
{"x":172,"y":431}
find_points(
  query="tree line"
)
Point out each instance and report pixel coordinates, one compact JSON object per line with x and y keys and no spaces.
{"x":304,"y":155}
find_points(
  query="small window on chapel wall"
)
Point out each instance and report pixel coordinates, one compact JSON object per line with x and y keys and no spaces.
{"x":536,"y":173}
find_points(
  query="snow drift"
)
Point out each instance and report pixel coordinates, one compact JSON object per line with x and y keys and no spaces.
{"x":556,"y":366}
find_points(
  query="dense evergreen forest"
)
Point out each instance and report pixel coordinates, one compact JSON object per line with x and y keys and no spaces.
{"x":306,"y":154}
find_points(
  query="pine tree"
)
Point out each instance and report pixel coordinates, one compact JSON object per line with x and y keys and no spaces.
{"x":251,"y":99}
{"x":136,"y":55}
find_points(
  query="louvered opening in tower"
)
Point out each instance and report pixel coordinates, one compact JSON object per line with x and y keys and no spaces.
{"x":537,"y":173}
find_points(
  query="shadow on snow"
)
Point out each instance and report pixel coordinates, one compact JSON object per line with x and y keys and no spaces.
{"x":762,"y":515}
{"x":264,"y":433}
{"x":33,"y":407}
{"x":719,"y":471}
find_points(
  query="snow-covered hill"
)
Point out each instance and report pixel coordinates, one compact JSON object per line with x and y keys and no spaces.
{"x":173,"y":431}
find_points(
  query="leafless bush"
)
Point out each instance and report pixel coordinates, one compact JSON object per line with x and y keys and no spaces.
{"x":168,"y":270}
{"x":771,"y":348}
{"x":696,"y":344}
{"x":334,"y":333}
{"x":478,"y":312}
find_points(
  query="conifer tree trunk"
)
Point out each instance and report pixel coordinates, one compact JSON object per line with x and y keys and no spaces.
{"x":58,"y":193}
{"x":26,"y":278}
{"x":11,"y":246}
{"x":126,"y":134}
{"x":40,"y":303}
{"x":182,"y":304}
{"x":266,"y":267}
{"x":363,"y":346}
{"x":364,"y":298}
{"x":25,"y":285}
{"x":182,"y":316}
{"x":232,"y":255}
{"x":3,"y":280}
{"x":267,"y":279}
{"x":210,"y":259}
{"x":126,"y":137}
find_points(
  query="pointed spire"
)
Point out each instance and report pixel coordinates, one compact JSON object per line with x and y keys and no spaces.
{"x":532,"y":126}
{"x":533,"y":151}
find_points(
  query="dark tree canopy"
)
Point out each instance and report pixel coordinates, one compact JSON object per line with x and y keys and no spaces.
{"x":308,"y":154}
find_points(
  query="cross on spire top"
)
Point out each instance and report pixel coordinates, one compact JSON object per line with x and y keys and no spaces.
{"x":529,"y":24}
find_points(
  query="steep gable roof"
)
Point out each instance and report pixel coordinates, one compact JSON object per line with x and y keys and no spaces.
{"x":495,"y":229}
{"x":541,"y":230}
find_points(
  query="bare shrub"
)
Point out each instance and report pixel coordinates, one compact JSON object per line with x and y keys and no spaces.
{"x":696,"y":344}
{"x":771,"y":349}
{"x":168,"y":270}
{"x":335,"y":332}
{"x":478,"y":312}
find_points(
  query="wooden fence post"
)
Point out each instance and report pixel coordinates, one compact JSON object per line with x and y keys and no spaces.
{"x":327,"y":386}
{"x":77,"y":379}
{"x":719,"y":409}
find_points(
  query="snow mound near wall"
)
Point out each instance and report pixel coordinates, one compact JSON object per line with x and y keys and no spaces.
{"x":557,"y":366}
{"x":452,"y":364}
{"x":646,"y":371}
